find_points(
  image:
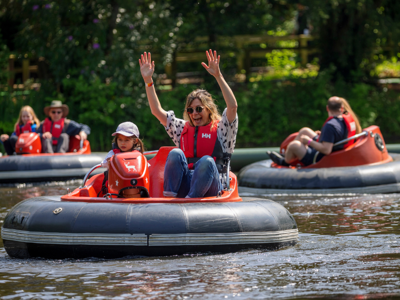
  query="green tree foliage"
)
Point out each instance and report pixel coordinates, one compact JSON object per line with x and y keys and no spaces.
{"x":91,"y":50}
{"x":350,"y":32}
{"x":78,"y":38}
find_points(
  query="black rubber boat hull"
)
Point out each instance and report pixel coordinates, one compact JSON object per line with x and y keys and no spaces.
{"x":260,"y":179}
{"x":21,"y":169}
{"x":49,"y":228}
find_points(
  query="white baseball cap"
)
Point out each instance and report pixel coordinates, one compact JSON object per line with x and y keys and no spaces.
{"x":127,"y":129}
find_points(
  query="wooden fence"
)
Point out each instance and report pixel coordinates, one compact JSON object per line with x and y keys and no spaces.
{"x":244,"y":47}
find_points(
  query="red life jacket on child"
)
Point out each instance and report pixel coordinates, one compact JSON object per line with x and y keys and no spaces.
{"x":55,"y":128}
{"x":351,"y":128}
{"x":23,"y":128}
{"x":198,"y":141}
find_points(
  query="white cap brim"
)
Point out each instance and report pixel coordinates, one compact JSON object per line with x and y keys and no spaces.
{"x":123,"y":133}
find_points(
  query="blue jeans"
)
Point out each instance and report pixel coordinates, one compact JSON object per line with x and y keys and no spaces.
{"x":180,"y":182}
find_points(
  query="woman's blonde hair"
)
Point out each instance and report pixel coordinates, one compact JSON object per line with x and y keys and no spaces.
{"x":348,"y":110}
{"x":137,"y":146}
{"x":29,"y":110}
{"x":207,"y":101}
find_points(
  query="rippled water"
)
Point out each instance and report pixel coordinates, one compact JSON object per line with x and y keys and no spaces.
{"x":349,"y":248}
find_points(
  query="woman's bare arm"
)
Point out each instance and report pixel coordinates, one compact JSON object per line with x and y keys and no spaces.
{"x":229,"y":97}
{"x":147,"y":70}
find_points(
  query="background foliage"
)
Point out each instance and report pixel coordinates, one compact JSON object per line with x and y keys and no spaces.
{"x":91,"y":49}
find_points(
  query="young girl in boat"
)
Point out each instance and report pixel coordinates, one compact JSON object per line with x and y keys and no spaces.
{"x":27,"y":122}
{"x":126,"y":139}
{"x":204,"y":138}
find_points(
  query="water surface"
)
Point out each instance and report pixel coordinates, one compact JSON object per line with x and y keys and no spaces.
{"x":349,"y":248}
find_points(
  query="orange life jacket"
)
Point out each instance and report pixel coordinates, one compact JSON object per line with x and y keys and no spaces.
{"x":23,"y":128}
{"x":198,"y":141}
{"x":55,"y":128}
{"x":351,"y":128}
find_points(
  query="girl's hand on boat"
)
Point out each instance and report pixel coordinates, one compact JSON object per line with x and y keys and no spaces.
{"x":82,"y":135}
{"x":318,"y":132}
{"x":47,"y":135}
{"x":146,"y":67}
{"x":4,"y":137}
{"x":213,"y":63}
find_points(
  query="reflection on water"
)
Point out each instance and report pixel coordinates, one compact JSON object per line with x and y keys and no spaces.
{"x":349,"y":249}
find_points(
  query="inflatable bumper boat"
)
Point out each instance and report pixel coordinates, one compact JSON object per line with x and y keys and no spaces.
{"x":92,"y":222}
{"x":29,"y":165}
{"x":363,"y":167}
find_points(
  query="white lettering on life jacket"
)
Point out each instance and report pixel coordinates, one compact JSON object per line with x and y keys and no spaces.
{"x":57,"y":126}
{"x":205,"y":135}
{"x":353,"y":126}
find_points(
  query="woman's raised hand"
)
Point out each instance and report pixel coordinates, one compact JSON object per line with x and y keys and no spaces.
{"x":213,"y":63}
{"x":146,"y":67}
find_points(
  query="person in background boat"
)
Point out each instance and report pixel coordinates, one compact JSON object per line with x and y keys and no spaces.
{"x":27,"y":122}
{"x":126,"y":139}
{"x":310,"y":146}
{"x":349,"y":111}
{"x":56,"y":129}
{"x":204,"y":138}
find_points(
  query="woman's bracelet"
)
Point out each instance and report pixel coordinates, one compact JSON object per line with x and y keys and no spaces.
{"x":149,"y":84}
{"x":309,"y":141}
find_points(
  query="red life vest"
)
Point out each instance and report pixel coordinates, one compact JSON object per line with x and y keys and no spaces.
{"x":351,"y":128}
{"x":23,"y":128}
{"x":198,"y":141}
{"x":55,"y":128}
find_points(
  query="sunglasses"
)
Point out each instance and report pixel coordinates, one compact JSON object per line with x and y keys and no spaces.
{"x":56,"y":112}
{"x":198,"y":109}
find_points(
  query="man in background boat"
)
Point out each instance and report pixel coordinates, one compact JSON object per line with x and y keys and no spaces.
{"x":309,"y":147}
{"x":56,"y":129}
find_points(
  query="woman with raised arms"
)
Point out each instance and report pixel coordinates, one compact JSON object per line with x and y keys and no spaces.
{"x":204,"y":138}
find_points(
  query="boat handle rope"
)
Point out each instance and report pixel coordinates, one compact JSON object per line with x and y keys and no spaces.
{"x":343,"y":142}
{"x":88,"y":173}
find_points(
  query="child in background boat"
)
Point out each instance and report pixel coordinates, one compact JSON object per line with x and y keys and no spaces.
{"x":27,"y":122}
{"x":126,"y":139}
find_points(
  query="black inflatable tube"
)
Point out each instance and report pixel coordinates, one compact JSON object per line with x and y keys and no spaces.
{"x":260,"y":178}
{"x":17,"y":169}
{"x":109,"y":230}
{"x":240,"y":158}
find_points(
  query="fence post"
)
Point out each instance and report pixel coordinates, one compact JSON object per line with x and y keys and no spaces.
{"x":303,"y":49}
{"x":11,"y":73}
{"x":240,"y":56}
{"x":25,"y":69}
{"x":171,"y":69}
{"x":247,"y":64}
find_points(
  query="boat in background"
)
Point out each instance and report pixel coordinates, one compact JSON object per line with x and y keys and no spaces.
{"x":363,"y":167}
{"x":30,"y":165}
